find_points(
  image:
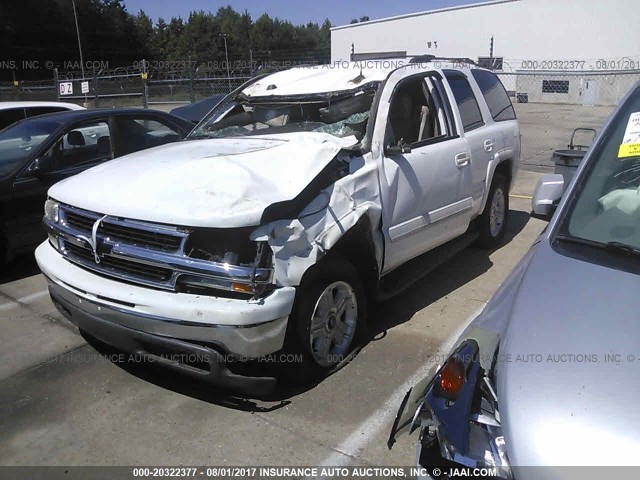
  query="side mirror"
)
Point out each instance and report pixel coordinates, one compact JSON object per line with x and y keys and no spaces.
{"x":41,"y":166}
{"x":399,"y":149}
{"x":546,"y":196}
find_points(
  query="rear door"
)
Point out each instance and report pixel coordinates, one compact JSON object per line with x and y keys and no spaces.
{"x":501,"y":123}
{"x":480,"y":136}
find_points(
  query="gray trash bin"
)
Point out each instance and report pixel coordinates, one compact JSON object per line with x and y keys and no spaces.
{"x":567,"y":161}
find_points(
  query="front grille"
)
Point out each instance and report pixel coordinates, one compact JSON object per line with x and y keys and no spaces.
{"x":130,"y":235}
{"x":109,"y":264}
{"x":154,"y":255}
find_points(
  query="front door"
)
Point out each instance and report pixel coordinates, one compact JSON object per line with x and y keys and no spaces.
{"x":75,"y":150}
{"x":425,"y":168}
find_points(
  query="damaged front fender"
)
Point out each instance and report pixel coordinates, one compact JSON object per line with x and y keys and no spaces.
{"x":301,"y":242}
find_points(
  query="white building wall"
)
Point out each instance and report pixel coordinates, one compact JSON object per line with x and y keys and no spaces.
{"x":584,"y":30}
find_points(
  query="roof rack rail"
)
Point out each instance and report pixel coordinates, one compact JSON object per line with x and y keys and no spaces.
{"x":431,"y":58}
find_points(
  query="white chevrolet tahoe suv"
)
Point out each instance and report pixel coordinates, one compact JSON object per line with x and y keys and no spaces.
{"x":299,"y":199}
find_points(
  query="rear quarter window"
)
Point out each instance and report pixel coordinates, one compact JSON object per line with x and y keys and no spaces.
{"x":495,"y":95}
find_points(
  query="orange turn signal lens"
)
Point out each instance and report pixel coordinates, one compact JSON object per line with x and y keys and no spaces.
{"x":452,"y":378}
{"x":242,"y":287}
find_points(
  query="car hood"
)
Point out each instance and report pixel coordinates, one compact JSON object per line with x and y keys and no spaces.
{"x":224,"y":182}
{"x":568,"y":364}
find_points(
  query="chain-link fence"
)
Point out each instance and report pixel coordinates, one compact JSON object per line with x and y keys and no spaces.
{"x":571,"y":88}
{"x":149,"y":83}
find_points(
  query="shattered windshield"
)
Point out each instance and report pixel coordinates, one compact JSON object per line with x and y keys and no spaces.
{"x":341,"y":116}
{"x":606,"y":205}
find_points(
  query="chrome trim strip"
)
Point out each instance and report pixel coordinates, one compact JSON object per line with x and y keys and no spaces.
{"x":449,"y":210}
{"x":137,"y":224}
{"x":421,"y":221}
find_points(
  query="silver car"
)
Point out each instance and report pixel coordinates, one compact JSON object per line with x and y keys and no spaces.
{"x":548,"y":374}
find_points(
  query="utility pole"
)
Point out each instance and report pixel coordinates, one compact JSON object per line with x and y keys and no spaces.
{"x":75,"y":15}
{"x":226,"y":54}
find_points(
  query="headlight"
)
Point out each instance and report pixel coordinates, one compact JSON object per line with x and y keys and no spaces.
{"x":52,"y":211}
{"x":248,"y":263}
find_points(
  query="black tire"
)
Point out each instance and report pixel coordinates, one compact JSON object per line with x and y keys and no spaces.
{"x":328,"y":272}
{"x":3,"y":251}
{"x":493,"y":237}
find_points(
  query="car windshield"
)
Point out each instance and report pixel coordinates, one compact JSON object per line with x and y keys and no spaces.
{"x":18,"y":142}
{"x":340,"y":116}
{"x":605,"y":209}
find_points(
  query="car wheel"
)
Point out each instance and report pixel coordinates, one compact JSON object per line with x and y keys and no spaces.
{"x":327,"y":316}
{"x":493,"y":221}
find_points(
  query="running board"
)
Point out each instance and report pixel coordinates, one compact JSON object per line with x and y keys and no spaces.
{"x":410,"y":272}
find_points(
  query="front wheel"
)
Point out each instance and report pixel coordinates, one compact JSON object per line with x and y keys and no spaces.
{"x":493,"y":221}
{"x":327,"y":317}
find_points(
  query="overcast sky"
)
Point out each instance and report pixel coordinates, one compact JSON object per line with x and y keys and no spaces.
{"x":340,"y":12}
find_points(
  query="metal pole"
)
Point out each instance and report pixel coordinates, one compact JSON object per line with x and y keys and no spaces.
{"x":145,"y":87}
{"x":226,"y":55}
{"x":56,"y":81}
{"x":75,"y":15}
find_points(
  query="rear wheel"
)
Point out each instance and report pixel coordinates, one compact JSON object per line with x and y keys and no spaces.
{"x":326,"y":319}
{"x":493,"y":221}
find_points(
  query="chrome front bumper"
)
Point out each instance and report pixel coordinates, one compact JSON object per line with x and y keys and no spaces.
{"x":244,"y":329}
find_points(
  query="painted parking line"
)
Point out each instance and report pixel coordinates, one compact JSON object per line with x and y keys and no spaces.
{"x":351,"y":446}
{"x":33,"y":296}
{"x":8,"y":306}
{"x":517,"y":195}
{"x":26,"y":299}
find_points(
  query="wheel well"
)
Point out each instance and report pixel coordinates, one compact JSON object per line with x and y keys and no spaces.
{"x":504,"y":168}
{"x":357,"y":246}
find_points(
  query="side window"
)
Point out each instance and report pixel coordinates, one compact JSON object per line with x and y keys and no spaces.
{"x":139,"y":133}
{"x":416,"y":112}
{"x":466,"y":100}
{"x":495,"y":95}
{"x":35,"y":111}
{"x":84,"y":144}
{"x":10,"y":116}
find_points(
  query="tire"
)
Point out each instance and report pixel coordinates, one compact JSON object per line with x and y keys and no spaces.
{"x":3,"y":251}
{"x":326,"y":320}
{"x":492,"y":222}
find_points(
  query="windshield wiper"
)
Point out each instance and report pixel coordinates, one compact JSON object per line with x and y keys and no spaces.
{"x":614,"y":247}
{"x":197,"y":136}
{"x":623,"y":248}
{"x":580,"y":241}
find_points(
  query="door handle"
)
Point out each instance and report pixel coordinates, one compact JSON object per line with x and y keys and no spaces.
{"x":462,"y":159}
{"x":488,"y":145}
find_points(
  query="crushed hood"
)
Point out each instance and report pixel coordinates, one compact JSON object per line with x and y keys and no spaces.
{"x":562,"y":400}
{"x":225,"y":182}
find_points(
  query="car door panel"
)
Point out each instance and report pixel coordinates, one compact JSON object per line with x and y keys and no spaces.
{"x":424,"y":204}
{"x":30,"y":189}
{"x":477,"y":126}
{"x":426,"y":192}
